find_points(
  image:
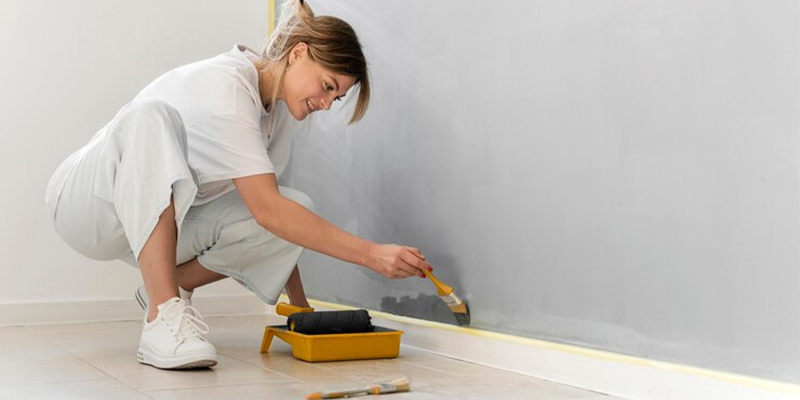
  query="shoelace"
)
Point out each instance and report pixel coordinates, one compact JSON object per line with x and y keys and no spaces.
{"x":189,"y":322}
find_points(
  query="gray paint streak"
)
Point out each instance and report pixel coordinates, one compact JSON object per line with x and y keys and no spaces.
{"x":619,"y":175}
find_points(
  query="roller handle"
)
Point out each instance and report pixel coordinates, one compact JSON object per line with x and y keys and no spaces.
{"x":286,"y":309}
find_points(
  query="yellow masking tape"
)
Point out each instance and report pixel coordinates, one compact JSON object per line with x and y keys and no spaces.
{"x":270,"y":17}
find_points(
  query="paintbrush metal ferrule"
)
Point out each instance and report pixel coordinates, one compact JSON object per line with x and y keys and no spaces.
{"x":380,"y":388}
{"x":451,"y":299}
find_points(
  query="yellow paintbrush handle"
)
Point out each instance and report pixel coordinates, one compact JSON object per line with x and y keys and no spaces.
{"x":331,"y":394}
{"x":443,"y":289}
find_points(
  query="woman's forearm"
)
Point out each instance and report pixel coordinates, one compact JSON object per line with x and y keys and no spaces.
{"x":294,"y":223}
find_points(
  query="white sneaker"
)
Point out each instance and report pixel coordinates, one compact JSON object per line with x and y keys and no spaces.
{"x":141,"y":296}
{"x":174,"y":339}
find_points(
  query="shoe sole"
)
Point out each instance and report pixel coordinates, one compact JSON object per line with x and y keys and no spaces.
{"x":203,"y":362}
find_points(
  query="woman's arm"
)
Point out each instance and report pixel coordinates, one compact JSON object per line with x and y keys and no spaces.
{"x":298,"y":225}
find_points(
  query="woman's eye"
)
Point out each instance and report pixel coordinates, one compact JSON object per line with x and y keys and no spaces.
{"x":328,"y":87}
{"x":338,"y":99}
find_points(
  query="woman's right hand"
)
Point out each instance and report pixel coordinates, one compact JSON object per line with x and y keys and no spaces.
{"x":396,"y":262}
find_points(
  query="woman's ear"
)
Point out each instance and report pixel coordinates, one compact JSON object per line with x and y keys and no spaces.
{"x":299,"y":51}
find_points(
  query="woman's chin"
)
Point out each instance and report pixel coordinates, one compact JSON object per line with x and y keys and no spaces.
{"x":298,"y":115}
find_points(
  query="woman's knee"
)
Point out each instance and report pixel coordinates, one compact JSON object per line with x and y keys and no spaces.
{"x":153,"y":116}
{"x":153,"y":107}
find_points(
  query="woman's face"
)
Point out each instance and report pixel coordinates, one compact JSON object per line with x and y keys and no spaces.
{"x":307,"y":87}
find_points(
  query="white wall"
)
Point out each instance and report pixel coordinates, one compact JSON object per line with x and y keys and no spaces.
{"x":67,"y":67}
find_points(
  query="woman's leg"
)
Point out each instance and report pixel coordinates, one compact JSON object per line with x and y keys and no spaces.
{"x":222,"y":239}
{"x":192,"y":275}
{"x":157,"y":262}
{"x":294,"y":289}
{"x":129,"y":195}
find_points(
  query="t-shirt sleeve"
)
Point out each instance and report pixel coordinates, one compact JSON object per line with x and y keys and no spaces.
{"x":227,"y":147}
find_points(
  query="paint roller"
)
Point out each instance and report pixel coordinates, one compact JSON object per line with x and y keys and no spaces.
{"x":310,"y":322}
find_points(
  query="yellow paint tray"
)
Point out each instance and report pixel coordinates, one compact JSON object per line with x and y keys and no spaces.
{"x":381,"y":343}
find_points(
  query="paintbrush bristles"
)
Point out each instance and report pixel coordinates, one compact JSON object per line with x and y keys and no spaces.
{"x":446,"y":293}
{"x":461,"y":312}
{"x":458,"y":307}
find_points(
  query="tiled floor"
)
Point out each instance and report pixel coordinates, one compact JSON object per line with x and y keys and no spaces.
{"x":97,"y":361}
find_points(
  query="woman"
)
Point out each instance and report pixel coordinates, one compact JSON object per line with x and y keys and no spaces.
{"x":186,"y":175}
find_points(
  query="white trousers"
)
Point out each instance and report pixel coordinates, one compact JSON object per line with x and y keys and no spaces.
{"x":116,"y":187}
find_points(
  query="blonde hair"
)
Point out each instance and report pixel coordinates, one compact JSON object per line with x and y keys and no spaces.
{"x":331,"y":42}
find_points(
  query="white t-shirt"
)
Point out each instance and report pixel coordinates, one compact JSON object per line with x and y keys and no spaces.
{"x":230,"y":134}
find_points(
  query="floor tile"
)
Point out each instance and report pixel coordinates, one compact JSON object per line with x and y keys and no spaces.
{"x":146,"y":378}
{"x":238,"y":392}
{"x":87,"y":390}
{"x":98,"y":361}
{"x":60,"y":368}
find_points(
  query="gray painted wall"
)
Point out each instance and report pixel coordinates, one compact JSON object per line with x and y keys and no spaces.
{"x":620,"y":175}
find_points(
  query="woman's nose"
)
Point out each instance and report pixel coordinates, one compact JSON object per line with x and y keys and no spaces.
{"x":326,"y":104}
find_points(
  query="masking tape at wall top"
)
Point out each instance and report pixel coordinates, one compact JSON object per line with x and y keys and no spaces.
{"x":270,"y":17}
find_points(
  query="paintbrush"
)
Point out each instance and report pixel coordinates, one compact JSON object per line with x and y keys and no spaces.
{"x":397,"y":385}
{"x":459,"y":308}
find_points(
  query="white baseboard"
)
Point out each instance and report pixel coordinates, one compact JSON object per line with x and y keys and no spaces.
{"x":610,"y":373}
{"x":117,"y":310}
